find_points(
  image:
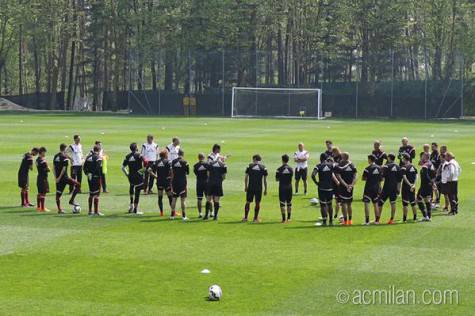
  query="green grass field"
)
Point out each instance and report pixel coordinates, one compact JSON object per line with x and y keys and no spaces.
{"x":150,"y":265}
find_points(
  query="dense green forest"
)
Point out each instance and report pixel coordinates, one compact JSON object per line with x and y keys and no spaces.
{"x":82,"y":48}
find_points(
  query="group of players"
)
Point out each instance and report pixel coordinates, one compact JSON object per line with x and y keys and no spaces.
{"x":335,"y":177}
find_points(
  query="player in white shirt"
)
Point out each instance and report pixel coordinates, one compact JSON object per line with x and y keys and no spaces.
{"x":74,"y":151}
{"x":450,"y":174}
{"x":301,"y":157}
{"x":173,"y":149}
{"x":149,"y":153}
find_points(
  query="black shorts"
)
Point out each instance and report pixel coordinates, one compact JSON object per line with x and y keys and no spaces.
{"x":61,"y":185}
{"x":443,"y":188}
{"x":408,"y":196}
{"x":200,"y":189}
{"x":424,"y":192}
{"x":325,"y":197}
{"x":253,"y":194}
{"x":388,"y":194}
{"x":135,"y":179}
{"x":301,"y":174}
{"x":371,"y":195}
{"x":335,"y":193}
{"x":23,"y":181}
{"x":214,"y":189}
{"x":285,"y":195}
{"x":42,"y":185}
{"x":94,"y":185}
{"x":179,"y":189}
{"x":344,"y":195}
{"x":164,"y":186}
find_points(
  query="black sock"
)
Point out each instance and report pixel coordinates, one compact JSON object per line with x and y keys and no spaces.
{"x":170,"y":199}
{"x":367,"y":219}
{"x":421,"y":207}
{"x":429,"y":209}
{"x":160,"y":202}
{"x":289,"y":212}
{"x":283,"y":216}
{"x":246,"y":210}
{"x":207,"y":208}
{"x":414,"y":217}
{"x":404,"y":218}
{"x":216,"y":210}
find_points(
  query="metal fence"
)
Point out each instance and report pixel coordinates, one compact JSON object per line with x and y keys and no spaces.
{"x":382,"y":84}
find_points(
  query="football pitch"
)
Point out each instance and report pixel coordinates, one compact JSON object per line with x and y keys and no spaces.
{"x":121,"y":264}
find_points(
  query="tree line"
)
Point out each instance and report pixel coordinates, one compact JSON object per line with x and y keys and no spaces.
{"x":74,"y":49}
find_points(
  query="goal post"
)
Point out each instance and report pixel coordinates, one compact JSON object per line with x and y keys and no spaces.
{"x":276,"y":102}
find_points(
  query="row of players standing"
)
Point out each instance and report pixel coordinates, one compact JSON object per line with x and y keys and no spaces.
{"x":68,"y":157}
{"x":170,"y":170}
{"x":439,"y":173}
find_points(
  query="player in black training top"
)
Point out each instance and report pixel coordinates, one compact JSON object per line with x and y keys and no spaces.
{"x":345,"y":172}
{"x":200,"y":169}
{"x":408,"y":190}
{"x":379,"y":153}
{"x":161,"y":170}
{"x":26,"y":166}
{"x":372,"y":178}
{"x":180,"y":170}
{"x":256,"y":174}
{"x":406,"y":148}
{"x":214,"y":191}
{"x":435,"y":159}
{"x":42,"y":180}
{"x":424,"y":194}
{"x":133,"y":168}
{"x":93,"y":170}
{"x":392,"y":183}
{"x":326,"y":183}
{"x":284,"y":176}
{"x":61,"y":164}
{"x":328,"y":149}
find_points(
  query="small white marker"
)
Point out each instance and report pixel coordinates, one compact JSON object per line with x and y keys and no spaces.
{"x":102,"y":133}
{"x":66,"y":136}
{"x":205,"y":271}
{"x":206,"y":123}
{"x":163,"y":128}
{"x":473,"y":163}
{"x":432,"y":135}
{"x":21,"y":121}
{"x":456,"y":131}
{"x":222,"y":142}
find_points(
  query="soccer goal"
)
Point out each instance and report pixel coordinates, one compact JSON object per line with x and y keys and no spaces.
{"x":276,"y":102}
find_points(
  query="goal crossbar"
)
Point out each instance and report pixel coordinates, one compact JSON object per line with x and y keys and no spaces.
{"x":289,"y":91}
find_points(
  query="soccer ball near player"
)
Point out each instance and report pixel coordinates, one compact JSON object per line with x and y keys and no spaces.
{"x":314,"y":201}
{"x":76,"y":209}
{"x":215,"y":293}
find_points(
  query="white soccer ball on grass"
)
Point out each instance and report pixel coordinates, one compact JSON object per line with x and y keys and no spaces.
{"x":215,"y":293}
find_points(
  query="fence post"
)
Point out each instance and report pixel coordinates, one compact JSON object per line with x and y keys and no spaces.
{"x":356,"y":99}
{"x":223,"y":83}
{"x":392,"y":82}
{"x":462,"y":72}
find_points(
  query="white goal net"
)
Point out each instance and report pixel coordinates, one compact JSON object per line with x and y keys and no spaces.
{"x":276,"y":102}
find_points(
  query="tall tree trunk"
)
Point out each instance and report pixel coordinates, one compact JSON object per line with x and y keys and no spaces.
{"x":20,"y":60}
